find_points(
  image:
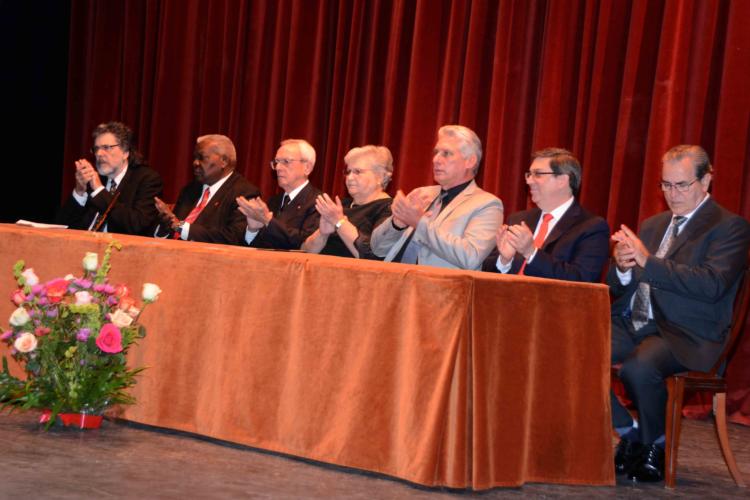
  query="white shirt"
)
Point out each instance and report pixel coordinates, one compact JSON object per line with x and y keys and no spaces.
{"x":250,"y":235}
{"x":557,"y":214}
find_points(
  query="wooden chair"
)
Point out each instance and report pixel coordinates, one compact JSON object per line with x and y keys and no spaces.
{"x":712,"y":381}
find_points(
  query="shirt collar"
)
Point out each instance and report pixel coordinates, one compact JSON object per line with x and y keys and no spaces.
{"x":213,"y":188}
{"x":449,"y":194}
{"x":294,"y":192}
{"x":119,"y":177}
{"x":558,"y":212}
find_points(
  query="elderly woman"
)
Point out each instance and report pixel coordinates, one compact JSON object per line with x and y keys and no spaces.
{"x":345,"y":227}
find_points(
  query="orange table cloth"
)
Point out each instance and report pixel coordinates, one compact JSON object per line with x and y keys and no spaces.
{"x":439,"y":377}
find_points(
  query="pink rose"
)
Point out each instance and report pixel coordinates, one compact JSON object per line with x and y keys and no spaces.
{"x":41,"y":331}
{"x":6,"y":335}
{"x":56,"y":289}
{"x":18,"y":297}
{"x":26,"y":342}
{"x":83,"y":298}
{"x":109,"y":339}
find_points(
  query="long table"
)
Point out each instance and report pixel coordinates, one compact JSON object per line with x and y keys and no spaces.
{"x":439,"y":377}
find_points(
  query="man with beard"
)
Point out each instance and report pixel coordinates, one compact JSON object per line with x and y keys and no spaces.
{"x":117,"y":196}
{"x":206,"y":209}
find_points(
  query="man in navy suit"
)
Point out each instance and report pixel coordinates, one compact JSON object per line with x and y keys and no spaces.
{"x":116,"y":196}
{"x":674,"y":286}
{"x":292,"y":216}
{"x":206,"y":209}
{"x":558,"y":239}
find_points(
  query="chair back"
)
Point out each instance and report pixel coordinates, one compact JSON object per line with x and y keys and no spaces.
{"x":739,"y":315}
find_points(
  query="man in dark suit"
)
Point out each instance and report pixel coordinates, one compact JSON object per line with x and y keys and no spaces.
{"x":674,"y":286}
{"x":558,"y":239}
{"x":206,"y":209}
{"x":118,"y":195}
{"x":292,"y":216}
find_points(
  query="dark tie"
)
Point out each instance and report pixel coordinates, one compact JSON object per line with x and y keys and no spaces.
{"x":284,"y":202}
{"x":642,"y":301}
{"x":410,"y":249}
{"x":112,"y":186}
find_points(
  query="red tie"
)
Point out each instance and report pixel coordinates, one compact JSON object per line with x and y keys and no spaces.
{"x":539,"y":238}
{"x":196,"y":211}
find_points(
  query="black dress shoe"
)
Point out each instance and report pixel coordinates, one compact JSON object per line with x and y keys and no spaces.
{"x":626,"y":454}
{"x":650,"y":467}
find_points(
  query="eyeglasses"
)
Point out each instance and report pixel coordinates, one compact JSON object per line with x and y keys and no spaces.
{"x":536,"y":174}
{"x":285,"y":161}
{"x":681,"y":187}
{"x":106,"y":147}
{"x":356,"y":171}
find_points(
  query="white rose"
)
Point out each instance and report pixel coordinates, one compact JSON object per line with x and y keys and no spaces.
{"x":26,"y":342}
{"x":83,"y":298}
{"x":150,"y":292}
{"x":91,"y":261}
{"x":19,"y":317}
{"x":31,"y":277}
{"x":120,"y":319}
{"x":69,"y":277}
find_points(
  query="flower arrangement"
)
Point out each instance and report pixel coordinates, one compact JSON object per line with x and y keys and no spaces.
{"x":72,"y":336}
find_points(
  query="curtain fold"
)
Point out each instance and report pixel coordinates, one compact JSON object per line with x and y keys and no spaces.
{"x":618,"y":82}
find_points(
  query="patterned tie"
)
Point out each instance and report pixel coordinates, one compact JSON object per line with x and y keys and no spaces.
{"x":112,"y":186}
{"x":540,"y":237}
{"x":196,"y":211}
{"x":642,"y":301}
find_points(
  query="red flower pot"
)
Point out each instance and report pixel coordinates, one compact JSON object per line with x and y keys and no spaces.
{"x":78,"y":420}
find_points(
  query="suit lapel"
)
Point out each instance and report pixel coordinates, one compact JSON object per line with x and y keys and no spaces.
{"x":568,"y":220}
{"x":456,"y":202}
{"x":698,"y":223}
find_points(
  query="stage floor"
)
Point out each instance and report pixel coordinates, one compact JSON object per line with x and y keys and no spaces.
{"x":127,"y":461}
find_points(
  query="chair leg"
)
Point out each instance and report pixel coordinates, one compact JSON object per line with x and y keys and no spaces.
{"x":676,"y":390}
{"x":720,"y":422}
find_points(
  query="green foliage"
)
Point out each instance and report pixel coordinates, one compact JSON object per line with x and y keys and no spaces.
{"x":66,"y":370}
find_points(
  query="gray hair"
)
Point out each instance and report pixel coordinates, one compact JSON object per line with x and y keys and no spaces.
{"x":381,"y":160}
{"x":221,"y":145}
{"x":562,"y":162}
{"x":470,"y":143}
{"x":697,"y":154}
{"x":306,"y":151}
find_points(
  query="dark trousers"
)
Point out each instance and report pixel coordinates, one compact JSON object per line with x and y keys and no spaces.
{"x":646,"y":361}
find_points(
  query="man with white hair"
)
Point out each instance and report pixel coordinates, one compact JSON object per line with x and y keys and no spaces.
{"x":291,"y":217}
{"x":450,"y":225}
{"x":206,"y":209}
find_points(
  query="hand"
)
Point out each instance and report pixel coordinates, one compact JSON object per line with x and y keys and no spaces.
{"x":84,"y":174}
{"x":407,"y":210}
{"x":328,"y":209}
{"x":507,"y":252}
{"x":255,"y":211}
{"x":629,"y":250}
{"x":166,"y":215}
{"x":326,"y":228}
{"x":521,"y":239}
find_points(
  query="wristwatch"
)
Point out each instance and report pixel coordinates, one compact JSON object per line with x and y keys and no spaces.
{"x":340,"y":222}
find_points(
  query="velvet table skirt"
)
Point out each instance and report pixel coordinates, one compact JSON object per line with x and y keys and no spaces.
{"x":439,"y":377}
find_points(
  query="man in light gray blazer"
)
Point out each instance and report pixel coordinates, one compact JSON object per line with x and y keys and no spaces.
{"x":450,"y":225}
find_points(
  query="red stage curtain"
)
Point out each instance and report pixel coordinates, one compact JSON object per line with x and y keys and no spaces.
{"x":616,"y":81}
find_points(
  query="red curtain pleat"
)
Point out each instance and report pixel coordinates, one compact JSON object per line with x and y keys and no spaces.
{"x":616,"y":81}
